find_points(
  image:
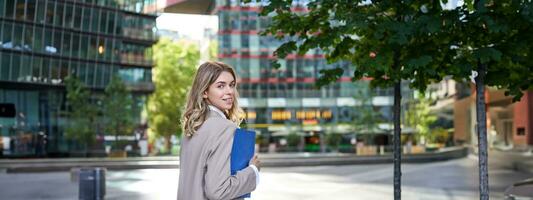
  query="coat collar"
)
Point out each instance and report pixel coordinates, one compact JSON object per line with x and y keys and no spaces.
{"x":217,"y":111}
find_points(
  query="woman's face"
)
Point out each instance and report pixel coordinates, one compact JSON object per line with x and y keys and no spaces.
{"x":221,"y":93}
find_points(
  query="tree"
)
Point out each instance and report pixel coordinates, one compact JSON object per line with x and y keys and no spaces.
{"x":213,"y":50}
{"x":500,"y":58}
{"x":175,"y":67}
{"x":387,"y":41}
{"x":333,"y":140}
{"x":117,"y":111}
{"x":367,"y":119}
{"x":419,"y":117}
{"x":81,"y":113}
{"x":293,"y":139}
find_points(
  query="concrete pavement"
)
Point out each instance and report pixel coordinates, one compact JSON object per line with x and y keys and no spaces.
{"x":453,"y":179}
{"x":524,"y":161}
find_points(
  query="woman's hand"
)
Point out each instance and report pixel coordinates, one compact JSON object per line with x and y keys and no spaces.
{"x":256,"y":162}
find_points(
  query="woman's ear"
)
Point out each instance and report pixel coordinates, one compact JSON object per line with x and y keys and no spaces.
{"x":204,"y":95}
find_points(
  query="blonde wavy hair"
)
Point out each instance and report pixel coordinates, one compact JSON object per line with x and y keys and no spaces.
{"x":196,"y":109}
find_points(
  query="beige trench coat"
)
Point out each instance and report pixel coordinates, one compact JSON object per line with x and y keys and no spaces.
{"x":205,"y":163}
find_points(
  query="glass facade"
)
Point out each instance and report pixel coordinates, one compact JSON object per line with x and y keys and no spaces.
{"x":44,"y":41}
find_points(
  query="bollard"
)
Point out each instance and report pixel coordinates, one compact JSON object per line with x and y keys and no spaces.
{"x":92,"y":183}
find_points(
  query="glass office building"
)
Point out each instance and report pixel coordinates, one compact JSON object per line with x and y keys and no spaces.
{"x":44,"y":41}
{"x":284,"y":100}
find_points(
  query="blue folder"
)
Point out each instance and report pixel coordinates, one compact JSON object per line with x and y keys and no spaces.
{"x":242,"y":151}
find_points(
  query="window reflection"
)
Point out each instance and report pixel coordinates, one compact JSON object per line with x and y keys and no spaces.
{"x":108,"y":37}
{"x":135,"y":75}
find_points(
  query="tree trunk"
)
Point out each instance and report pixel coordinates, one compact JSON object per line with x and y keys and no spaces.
{"x":397,"y":142}
{"x":301,"y":144}
{"x":85,"y":150}
{"x":482,"y":133}
{"x":117,"y":144}
{"x":397,"y":148}
{"x":168,"y":146}
{"x":321,"y":138}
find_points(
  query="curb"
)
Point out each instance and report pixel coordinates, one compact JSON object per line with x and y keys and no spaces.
{"x":350,"y":159}
{"x":525,"y":167}
{"x":267,"y":160}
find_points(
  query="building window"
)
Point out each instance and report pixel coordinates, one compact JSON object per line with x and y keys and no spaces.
{"x":90,"y":75}
{"x":82,"y":72}
{"x":116,"y":50}
{"x":101,"y":48}
{"x":108,"y":50}
{"x":95,"y":19}
{"x":25,"y":69}
{"x":84,"y":46}
{"x":135,"y":75}
{"x":103,"y":21}
{"x":66,"y":47}
{"x":56,"y":43}
{"x":234,"y":20}
{"x":54,"y":71}
{"x":63,"y":70}
{"x":75,"y":45}
{"x":15,"y":67}
{"x":86,"y":18}
{"x":9,"y":8}
{"x":45,"y":71}
{"x":73,"y":68}
{"x":2,"y":8}
{"x":99,"y":76}
{"x":69,"y":16}
{"x":30,"y":10}
{"x":111,"y":23}
{"x":23,"y":37}
{"x":4,"y":68}
{"x":245,"y":42}
{"x":19,"y":9}
{"x":520,"y":131}
{"x":7,"y":31}
{"x":38,"y":39}
{"x":36,"y":69}
{"x":93,"y":46}
{"x":78,"y":14}
{"x":48,"y":45}
{"x":60,"y":9}
{"x":107,"y":74}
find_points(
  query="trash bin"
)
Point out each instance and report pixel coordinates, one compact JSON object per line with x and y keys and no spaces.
{"x":92,"y":183}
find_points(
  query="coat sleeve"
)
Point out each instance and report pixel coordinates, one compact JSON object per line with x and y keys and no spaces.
{"x":219,"y":183}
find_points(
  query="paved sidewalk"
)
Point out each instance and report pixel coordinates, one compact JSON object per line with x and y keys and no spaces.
{"x":267,"y":160}
{"x":517,"y":159}
{"x":523,"y":161}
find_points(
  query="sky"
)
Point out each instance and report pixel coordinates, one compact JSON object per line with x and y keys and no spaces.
{"x":191,"y":26}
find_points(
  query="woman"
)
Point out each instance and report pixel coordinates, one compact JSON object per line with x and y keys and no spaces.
{"x":209,"y":122}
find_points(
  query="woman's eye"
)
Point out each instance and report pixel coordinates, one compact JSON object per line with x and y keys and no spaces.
{"x":220,"y":86}
{"x":232,"y":85}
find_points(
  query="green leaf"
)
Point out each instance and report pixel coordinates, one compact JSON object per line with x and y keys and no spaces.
{"x":329,"y":76}
{"x":175,"y":67}
{"x":488,"y":54}
{"x":285,"y":49}
{"x":275,"y":64}
{"x":420,"y":62}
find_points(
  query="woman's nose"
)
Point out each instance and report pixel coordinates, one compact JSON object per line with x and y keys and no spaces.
{"x":229,"y":90}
